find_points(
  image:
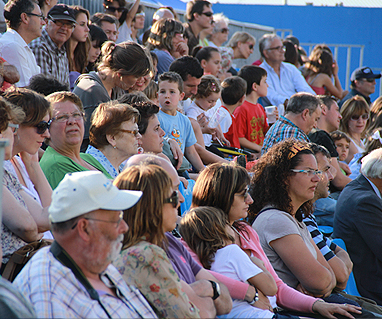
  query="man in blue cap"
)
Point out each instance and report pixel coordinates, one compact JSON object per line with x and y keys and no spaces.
{"x":362,"y":83}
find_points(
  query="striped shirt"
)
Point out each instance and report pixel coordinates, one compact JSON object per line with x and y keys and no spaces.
{"x":52,"y":60}
{"x":324,"y":244}
{"x":281,"y":130}
{"x":55,"y":292}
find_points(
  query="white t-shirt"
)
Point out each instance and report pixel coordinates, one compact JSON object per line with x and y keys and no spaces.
{"x":234,"y":263}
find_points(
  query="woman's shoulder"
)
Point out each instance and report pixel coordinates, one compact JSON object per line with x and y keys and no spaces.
{"x":144,"y":251}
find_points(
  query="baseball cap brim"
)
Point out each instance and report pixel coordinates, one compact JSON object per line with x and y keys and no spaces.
{"x":372,"y":76}
{"x":62,"y":17}
{"x":124,"y":199}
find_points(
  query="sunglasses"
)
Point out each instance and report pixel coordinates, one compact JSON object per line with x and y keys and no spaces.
{"x":250,"y":46}
{"x":134,"y":132}
{"x":174,"y":199}
{"x":42,"y":127}
{"x":41,"y":16}
{"x":208,"y":13}
{"x":224,"y":30}
{"x":278,"y":48}
{"x":369,"y":80}
{"x":363,"y":116}
{"x":113,"y":9}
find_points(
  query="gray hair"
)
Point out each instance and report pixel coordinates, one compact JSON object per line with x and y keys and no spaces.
{"x":160,"y":13}
{"x":265,"y":40}
{"x":242,"y":37}
{"x":219,"y":17}
{"x":302,"y":101}
{"x":372,"y":164}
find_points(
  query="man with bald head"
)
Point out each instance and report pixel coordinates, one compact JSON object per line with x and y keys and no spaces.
{"x":196,"y":281}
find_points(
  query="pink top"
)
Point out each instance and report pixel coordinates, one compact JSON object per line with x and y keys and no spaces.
{"x":287,"y":297}
{"x":319,"y":90}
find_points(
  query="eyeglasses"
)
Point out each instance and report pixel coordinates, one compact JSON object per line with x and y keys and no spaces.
{"x":42,"y":127}
{"x":134,"y":132}
{"x":245,"y":194}
{"x":371,"y":80}
{"x":14,"y":127}
{"x":208,"y":14}
{"x":250,"y":46}
{"x":174,"y":199}
{"x":41,"y":16}
{"x":113,"y":9}
{"x":309,"y":172}
{"x":105,"y":221}
{"x":224,"y":30}
{"x":62,"y":23}
{"x":63,"y":118}
{"x":363,"y":116}
{"x":278,"y":48}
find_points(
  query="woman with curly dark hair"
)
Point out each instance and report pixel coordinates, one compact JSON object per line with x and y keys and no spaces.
{"x":226,"y":187}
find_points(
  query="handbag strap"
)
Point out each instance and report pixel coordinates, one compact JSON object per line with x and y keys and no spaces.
{"x":63,"y":257}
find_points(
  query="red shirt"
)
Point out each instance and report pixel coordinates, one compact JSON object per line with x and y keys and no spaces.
{"x":251,"y":122}
{"x":231,"y":135}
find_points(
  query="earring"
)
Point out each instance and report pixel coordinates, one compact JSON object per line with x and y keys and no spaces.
{"x":114,"y":147}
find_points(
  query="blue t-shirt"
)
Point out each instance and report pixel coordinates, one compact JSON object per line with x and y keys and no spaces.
{"x":179,"y":128}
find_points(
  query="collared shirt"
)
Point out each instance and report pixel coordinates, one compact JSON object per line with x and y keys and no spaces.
{"x":103,"y":160}
{"x":354,"y":92}
{"x":290,"y":82}
{"x":50,"y":58}
{"x":15,"y":51}
{"x":281,"y":130}
{"x":55,"y":292}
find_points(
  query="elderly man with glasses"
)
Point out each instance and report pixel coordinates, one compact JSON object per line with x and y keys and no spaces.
{"x":49,"y":49}
{"x":362,"y":83}
{"x":25,"y":22}
{"x":74,"y":277}
{"x":284,"y":79}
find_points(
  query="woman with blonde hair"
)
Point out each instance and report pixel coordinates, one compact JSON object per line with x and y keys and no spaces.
{"x":120,"y":67}
{"x":143,"y":261}
{"x":240,"y":46}
{"x":355,"y":114}
{"x":114,"y":135}
{"x":167,"y":42}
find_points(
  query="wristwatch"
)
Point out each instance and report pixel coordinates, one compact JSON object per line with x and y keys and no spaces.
{"x":256,"y":298}
{"x":216,"y":288}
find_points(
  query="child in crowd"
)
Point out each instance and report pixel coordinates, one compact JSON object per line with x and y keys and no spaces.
{"x":210,"y":60}
{"x":233,"y":95}
{"x":207,"y":233}
{"x":151,"y":91}
{"x":176,"y":125}
{"x":203,"y":104}
{"x":342,"y":142}
{"x":250,"y":116}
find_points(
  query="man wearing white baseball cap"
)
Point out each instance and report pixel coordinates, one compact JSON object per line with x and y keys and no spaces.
{"x":74,"y":278}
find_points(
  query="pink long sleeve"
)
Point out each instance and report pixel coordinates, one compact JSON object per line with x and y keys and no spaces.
{"x":237,"y":289}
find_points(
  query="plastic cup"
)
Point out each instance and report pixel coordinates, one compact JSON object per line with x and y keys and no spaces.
{"x":269,"y":110}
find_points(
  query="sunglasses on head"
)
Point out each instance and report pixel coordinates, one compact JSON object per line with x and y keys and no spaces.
{"x":174,"y":199}
{"x":42,"y":127}
{"x":363,"y":116}
{"x":113,"y":9}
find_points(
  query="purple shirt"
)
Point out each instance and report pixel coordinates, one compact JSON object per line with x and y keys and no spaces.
{"x":181,"y":260}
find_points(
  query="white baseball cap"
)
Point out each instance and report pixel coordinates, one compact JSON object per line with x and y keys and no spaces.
{"x":82,"y":192}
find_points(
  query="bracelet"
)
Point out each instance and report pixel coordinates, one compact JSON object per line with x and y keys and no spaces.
{"x":318,"y":300}
{"x":256,"y":298}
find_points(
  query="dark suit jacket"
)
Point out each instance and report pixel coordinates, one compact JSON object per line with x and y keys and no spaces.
{"x":358,"y":221}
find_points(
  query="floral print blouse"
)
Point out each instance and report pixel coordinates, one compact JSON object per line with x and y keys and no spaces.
{"x":147,"y":267}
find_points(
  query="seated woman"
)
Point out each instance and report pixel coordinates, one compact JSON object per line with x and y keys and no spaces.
{"x":143,"y":261}
{"x":113,"y":135}
{"x":66,"y":134}
{"x":285,"y":181}
{"x":355,"y":114}
{"x":319,"y":71}
{"x":20,"y":213}
{"x":226,"y":187}
{"x":167,"y":42}
{"x":206,"y":232}
{"x":24,"y":165}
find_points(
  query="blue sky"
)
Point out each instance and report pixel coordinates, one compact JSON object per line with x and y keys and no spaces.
{"x":346,"y":3}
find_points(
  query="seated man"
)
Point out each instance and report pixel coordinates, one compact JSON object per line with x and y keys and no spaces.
{"x":74,"y":278}
{"x":358,"y":221}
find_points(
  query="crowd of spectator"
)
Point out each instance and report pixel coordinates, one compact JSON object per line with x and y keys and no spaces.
{"x":167,"y":183}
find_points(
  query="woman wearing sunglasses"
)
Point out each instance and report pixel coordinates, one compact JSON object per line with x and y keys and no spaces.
{"x":26,"y":192}
{"x":114,"y":135}
{"x":355,"y":121}
{"x":226,"y":187}
{"x":143,"y":261}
